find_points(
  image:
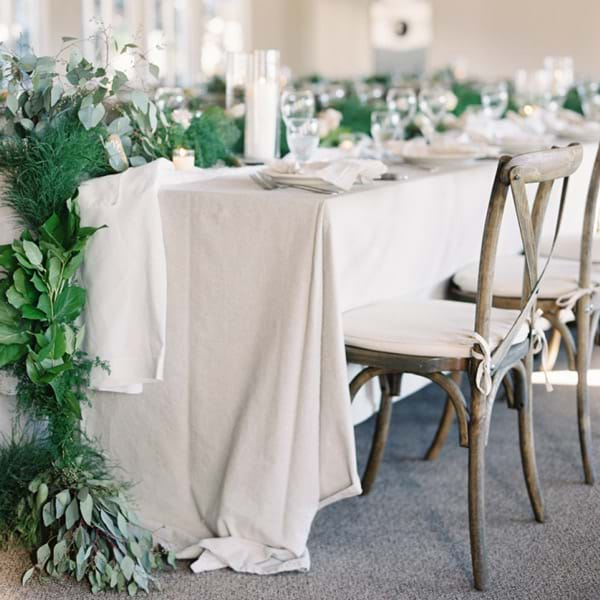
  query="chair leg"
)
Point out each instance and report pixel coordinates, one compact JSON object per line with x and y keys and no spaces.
{"x":509,"y":391}
{"x":524,"y":405}
{"x":583,"y":400}
{"x":445,"y":424}
{"x":553,"y":348}
{"x":477,"y":427}
{"x":380,"y":435}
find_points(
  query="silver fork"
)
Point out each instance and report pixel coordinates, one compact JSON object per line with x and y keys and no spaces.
{"x":262,"y":183}
{"x":267,"y":183}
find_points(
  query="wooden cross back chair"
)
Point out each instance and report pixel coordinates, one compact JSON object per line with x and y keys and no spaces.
{"x":570,"y":285}
{"x":439,"y":339}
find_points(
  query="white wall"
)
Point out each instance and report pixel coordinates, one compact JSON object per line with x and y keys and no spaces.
{"x":497,"y":37}
{"x":329,"y":37}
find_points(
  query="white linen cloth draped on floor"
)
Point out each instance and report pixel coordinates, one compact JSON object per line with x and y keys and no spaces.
{"x":250,"y":431}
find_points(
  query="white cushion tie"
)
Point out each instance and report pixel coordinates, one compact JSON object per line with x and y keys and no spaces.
{"x":540,"y":344}
{"x":570,"y":299}
{"x":483,"y":375}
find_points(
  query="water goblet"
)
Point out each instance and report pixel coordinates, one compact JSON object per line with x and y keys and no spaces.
{"x":385,"y":125}
{"x":494,"y":99}
{"x":297,"y":104}
{"x":403,"y":101}
{"x":561,"y":74}
{"x":302,"y":138}
{"x":433,"y":103}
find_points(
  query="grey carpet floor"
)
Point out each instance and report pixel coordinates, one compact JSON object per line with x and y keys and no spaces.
{"x":409,"y":538}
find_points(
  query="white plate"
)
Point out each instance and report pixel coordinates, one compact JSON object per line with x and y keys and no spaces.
{"x":417,"y":152}
{"x":518,"y":145}
{"x":580,"y":134}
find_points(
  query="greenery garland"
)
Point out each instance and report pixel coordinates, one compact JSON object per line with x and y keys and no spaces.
{"x":65,"y":121}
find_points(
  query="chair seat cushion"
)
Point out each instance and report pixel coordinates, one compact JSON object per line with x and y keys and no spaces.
{"x":569,"y":247}
{"x":561,"y":277}
{"x":433,"y":328}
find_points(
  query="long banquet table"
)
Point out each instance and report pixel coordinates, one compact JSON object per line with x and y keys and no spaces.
{"x":250,"y":433}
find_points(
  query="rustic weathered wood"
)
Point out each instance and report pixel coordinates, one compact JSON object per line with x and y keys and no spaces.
{"x":587,"y":317}
{"x":441,"y":435}
{"x":546,"y":165}
{"x":390,"y":386}
{"x":524,"y":405}
{"x":474,"y":420}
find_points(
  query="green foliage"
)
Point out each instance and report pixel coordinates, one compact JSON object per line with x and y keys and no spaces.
{"x":42,"y":171}
{"x":212,"y":137}
{"x":356,"y":116}
{"x":466,"y":95}
{"x":573,"y":101}
{"x":22,"y":458}
{"x":88,"y":529}
{"x":57,"y":491}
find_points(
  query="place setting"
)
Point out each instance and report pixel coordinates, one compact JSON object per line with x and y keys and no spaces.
{"x":261,"y":258}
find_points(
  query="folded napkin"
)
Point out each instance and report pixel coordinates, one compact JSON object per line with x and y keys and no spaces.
{"x":342,"y":173}
{"x":569,"y":124}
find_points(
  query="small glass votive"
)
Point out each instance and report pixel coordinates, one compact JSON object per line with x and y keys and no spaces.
{"x":183,"y":159}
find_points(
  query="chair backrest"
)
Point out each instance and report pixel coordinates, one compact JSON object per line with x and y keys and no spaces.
{"x":543,"y":168}
{"x":589,"y":225}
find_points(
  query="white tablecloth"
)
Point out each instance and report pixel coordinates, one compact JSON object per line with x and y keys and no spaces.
{"x":251,"y":430}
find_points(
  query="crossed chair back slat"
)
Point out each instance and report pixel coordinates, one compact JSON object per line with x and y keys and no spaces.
{"x":542,"y":168}
{"x":589,"y":225}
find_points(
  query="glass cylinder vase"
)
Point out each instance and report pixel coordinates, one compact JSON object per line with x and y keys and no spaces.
{"x":236,"y":78}
{"x":261,"y":138}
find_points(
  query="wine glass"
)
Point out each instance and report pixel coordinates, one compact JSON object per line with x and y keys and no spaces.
{"x":494,"y":99}
{"x":589,"y":94}
{"x":297,"y":104}
{"x":302,"y":138}
{"x":384,"y":127}
{"x":561,"y":74}
{"x":433,"y":103}
{"x":403,"y":101}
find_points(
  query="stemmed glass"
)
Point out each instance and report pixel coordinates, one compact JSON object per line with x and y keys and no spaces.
{"x":402,"y":101}
{"x":302,"y":138}
{"x":433,"y":103}
{"x":589,"y":94}
{"x":385,"y":125}
{"x":297,"y":104}
{"x":561,"y":75}
{"x":494,"y":99}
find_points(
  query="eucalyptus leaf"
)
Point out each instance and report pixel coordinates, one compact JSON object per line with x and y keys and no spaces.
{"x":122,"y":525}
{"x":72,"y":514}
{"x":90,"y":116}
{"x":59,"y":551}
{"x":140,"y":100}
{"x":127,"y":565}
{"x":27,"y":576}
{"x":56,"y":93}
{"x":43,"y":554}
{"x":85,"y":507}
{"x":12,"y":103}
{"x":120,"y":126}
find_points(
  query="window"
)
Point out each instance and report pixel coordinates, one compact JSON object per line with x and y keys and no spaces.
{"x":21,"y":24}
